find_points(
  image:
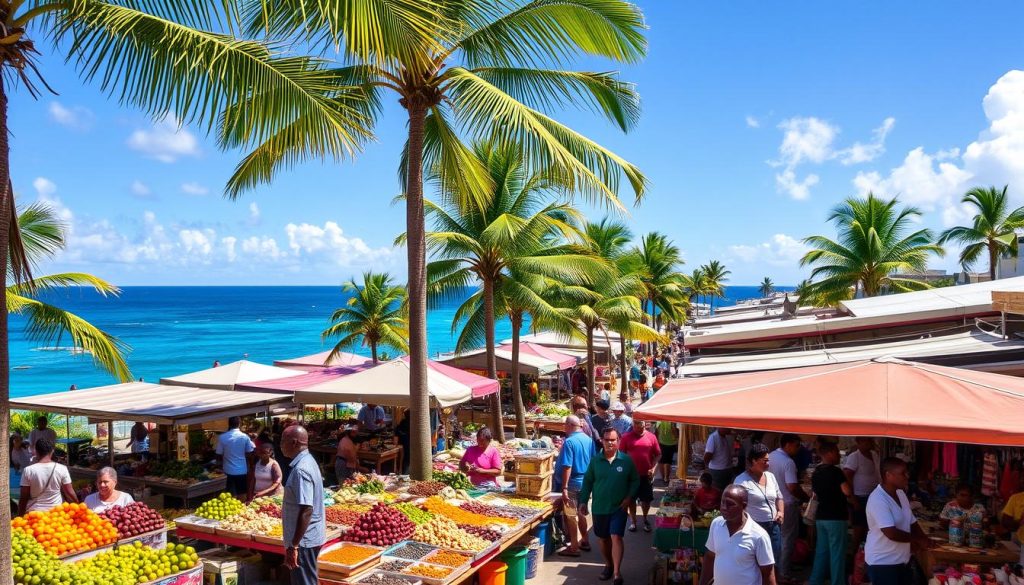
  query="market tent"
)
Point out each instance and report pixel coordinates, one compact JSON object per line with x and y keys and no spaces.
{"x":557,"y":340}
{"x":529,"y":364}
{"x":145,"y":402}
{"x":318,"y":361}
{"x":562,"y":359}
{"x":303,"y":380}
{"x":388,"y":384}
{"x":228,"y":376}
{"x":884,"y":397}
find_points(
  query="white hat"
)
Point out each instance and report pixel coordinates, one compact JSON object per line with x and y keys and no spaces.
{"x":618,"y":406}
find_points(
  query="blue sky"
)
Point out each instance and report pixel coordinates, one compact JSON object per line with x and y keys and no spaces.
{"x":757,"y":119}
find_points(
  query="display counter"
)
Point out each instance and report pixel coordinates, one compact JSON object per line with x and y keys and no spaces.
{"x":1005,"y":552}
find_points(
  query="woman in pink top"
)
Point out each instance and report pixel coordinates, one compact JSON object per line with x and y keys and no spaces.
{"x":482,"y":462}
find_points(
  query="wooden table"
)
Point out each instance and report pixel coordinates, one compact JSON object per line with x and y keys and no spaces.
{"x":1005,"y":552}
{"x":240,"y":543}
{"x":396,"y":455}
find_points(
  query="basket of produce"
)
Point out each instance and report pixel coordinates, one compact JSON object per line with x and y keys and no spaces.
{"x":197,"y":524}
{"x":382,"y":526}
{"x":243,"y":525}
{"x":429,"y":574}
{"x":346,"y":558}
{"x":134,"y":519}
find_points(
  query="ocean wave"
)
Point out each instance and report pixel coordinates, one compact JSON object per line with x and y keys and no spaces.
{"x":69,"y":349}
{"x":132,"y":324}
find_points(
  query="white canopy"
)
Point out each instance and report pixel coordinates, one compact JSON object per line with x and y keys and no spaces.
{"x":529,"y":364}
{"x":318,"y":361}
{"x":556,"y":340}
{"x":388,"y":384}
{"x":225,"y":377}
{"x":145,"y":402}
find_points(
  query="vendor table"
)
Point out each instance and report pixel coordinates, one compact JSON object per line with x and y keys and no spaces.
{"x":1005,"y":553}
{"x":396,"y":455}
{"x":240,"y":543}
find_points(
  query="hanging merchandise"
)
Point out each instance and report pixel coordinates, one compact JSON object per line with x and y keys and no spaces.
{"x":989,"y":474}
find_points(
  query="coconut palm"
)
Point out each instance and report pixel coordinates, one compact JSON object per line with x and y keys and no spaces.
{"x":483,"y":238}
{"x":872,"y":246}
{"x":483,"y":72}
{"x":609,"y":239}
{"x":717,"y":276}
{"x":696,"y":285}
{"x":373,"y":315}
{"x":994,"y":229}
{"x":657,"y":263}
{"x":767,"y":287}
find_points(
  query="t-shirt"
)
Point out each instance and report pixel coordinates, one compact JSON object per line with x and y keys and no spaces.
{"x":94,"y":503}
{"x":782,"y":466}
{"x":485,"y":459}
{"x":1014,"y":508}
{"x":762,"y":500}
{"x":576,"y":453}
{"x":623,"y":424}
{"x":36,"y":434}
{"x":952,"y":511}
{"x":668,"y":433}
{"x":369,"y":417}
{"x":883,"y":512}
{"x":233,"y":446}
{"x":45,"y":481}
{"x":827,"y":484}
{"x":866,"y":475}
{"x":707,"y":499}
{"x":643,"y":450}
{"x":740,"y":556}
{"x":721,"y":452}
{"x":305,"y":487}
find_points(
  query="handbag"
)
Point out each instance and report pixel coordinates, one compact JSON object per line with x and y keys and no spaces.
{"x":811,"y":511}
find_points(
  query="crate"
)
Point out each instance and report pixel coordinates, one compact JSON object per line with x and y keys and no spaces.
{"x":534,"y":485}
{"x":531,"y":463}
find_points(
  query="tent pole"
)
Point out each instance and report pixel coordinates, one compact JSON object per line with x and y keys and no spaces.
{"x":110,"y":441}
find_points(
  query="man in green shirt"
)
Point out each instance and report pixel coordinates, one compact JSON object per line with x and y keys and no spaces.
{"x":613,"y":480}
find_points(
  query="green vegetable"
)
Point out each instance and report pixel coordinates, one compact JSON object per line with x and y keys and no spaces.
{"x":414,"y":513}
{"x":370,"y":486}
{"x":454,"y":479}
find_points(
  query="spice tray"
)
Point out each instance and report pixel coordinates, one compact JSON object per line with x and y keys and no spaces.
{"x":458,"y":568}
{"x":389,"y":552}
{"x":451,"y":573}
{"x":369,"y":578}
{"x":346,"y":570}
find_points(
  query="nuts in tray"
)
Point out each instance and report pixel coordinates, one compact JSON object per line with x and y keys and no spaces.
{"x":412,"y":550}
{"x":394,"y":566}
{"x":449,"y":559}
{"x":428,"y":571}
{"x":383,"y":579}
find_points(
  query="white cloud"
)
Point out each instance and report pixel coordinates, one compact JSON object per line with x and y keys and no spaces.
{"x":193,"y":188}
{"x":753,"y":122}
{"x":44,"y":187}
{"x":229,"y":247}
{"x":140,"y":190}
{"x":330,"y":244}
{"x":806,"y":140}
{"x":167,"y":141}
{"x":779,"y":250}
{"x":787,"y":182}
{"x":254,"y":214}
{"x":75,"y":117}
{"x":920,"y":180}
{"x":862,"y":153}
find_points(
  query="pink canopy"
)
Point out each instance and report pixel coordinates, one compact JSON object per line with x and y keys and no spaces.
{"x":563,"y":360}
{"x":303,"y":380}
{"x":480,"y":385}
{"x":317,"y":361}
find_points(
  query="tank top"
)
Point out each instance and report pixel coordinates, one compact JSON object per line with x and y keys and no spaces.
{"x":264,"y":477}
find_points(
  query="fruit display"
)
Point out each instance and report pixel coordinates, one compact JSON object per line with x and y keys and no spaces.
{"x":141,"y":563}
{"x":488,"y":534}
{"x":221,"y":507}
{"x":412,"y":550}
{"x":249,"y":520}
{"x":414,"y":513}
{"x":370,"y":486}
{"x":381,"y":526}
{"x":349,"y":554}
{"x":454,"y":479}
{"x":449,"y":559}
{"x":429,"y":571}
{"x":134,"y":519}
{"x":444,"y":533}
{"x":68,"y":528}
{"x":272,"y":510}
{"x":31,"y":565}
{"x":276,"y":532}
{"x":342,"y":516}
{"x":346,"y":494}
{"x":485,"y":510}
{"x":438,"y":506}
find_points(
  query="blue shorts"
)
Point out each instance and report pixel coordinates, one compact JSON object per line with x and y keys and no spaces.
{"x":606,"y":525}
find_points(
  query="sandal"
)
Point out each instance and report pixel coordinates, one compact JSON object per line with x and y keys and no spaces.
{"x":647,"y":526}
{"x":632,"y":527}
{"x":568,"y":552}
{"x":585,"y":546}
{"x":606,"y":574}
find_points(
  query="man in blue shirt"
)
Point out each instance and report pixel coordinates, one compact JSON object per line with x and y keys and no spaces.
{"x":302,"y":512}
{"x":573,"y":460}
{"x":234,"y":454}
{"x":371,"y":417}
{"x":620,"y":421}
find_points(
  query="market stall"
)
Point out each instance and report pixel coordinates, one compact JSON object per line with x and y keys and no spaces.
{"x":230,"y":376}
{"x":317,"y":361}
{"x":529,"y":364}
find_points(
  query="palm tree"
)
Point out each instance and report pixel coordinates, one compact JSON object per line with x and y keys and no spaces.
{"x":608,"y":240}
{"x":767,"y":287}
{"x":373,"y":315}
{"x":872,"y":246}
{"x":480,"y":72}
{"x":994,"y":229}
{"x":505,"y":230}
{"x":696,"y":285}
{"x":663,"y":288}
{"x":717,"y":276}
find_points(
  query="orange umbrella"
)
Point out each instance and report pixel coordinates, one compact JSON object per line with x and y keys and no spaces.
{"x":884,"y":397}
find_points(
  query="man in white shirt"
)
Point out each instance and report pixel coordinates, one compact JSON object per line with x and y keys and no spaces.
{"x":234,"y":450}
{"x":862,"y":472}
{"x":739,"y":551}
{"x":892,"y":527}
{"x":42,"y":431}
{"x":718,"y":458}
{"x":781,"y":464}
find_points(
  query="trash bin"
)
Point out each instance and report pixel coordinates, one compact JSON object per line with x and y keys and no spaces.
{"x":492,"y":573}
{"x":533,"y":554}
{"x":515,"y":558}
{"x":543,"y":533}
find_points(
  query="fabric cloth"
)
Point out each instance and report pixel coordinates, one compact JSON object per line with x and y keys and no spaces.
{"x":739,"y":556}
{"x":884,"y":512}
{"x":782,"y":466}
{"x":306,"y":571}
{"x":238,"y":485}
{"x":371,"y":418}
{"x":827,"y":484}
{"x":721,"y":478}
{"x":94,"y":503}
{"x":830,"y":551}
{"x":989,"y":475}
{"x":305,"y":487}
{"x":890,"y":574}
{"x":953,"y":511}
{"x":610,"y":482}
{"x":233,"y":446}
{"x":866,"y":475}
{"x":36,"y":434}
{"x":613,"y":523}
{"x":21,"y":458}
{"x":644,"y":450}
{"x":266,"y":475}
{"x":645,"y":491}
{"x":949,"y":460}
{"x":45,"y":481}
{"x":577,"y":451}
{"x":1014,"y":508}
{"x":762,"y":500}
{"x":720,"y":449}
{"x":598,"y":423}
{"x":668,"y":453}
{"x":488,"y":458}
{"x":707,"y":499}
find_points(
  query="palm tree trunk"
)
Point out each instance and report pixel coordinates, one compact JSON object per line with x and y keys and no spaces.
{"x":6,"y":209}
{"x":654,"y":323}
{"x":590,"y":366}
{"x":373,"y":351}
{"x":623,"y":372}
{"x":419,"y":397}
{"x":517,"y":395}
{"x":992,"y":260}
{"x":492,"y":361}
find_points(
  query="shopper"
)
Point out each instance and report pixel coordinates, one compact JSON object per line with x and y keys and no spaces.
{"x":862,"y":471}
{"x":42,"y":431}
{"x":892,"y":527}
{"x":482,"y":462}
{"x":45,"y":483}
{"x":371,"y":417}
{"x":302,"y":513}
{"x":573,"y":461}
{"x":20,"y":458}
{"x":783,"y":467}
{"x":718,"y":457}
{"x":139,"y":440}
{"x":107,"y":495}
{"x":266,"y":476}
{"x":739,"y":551}
{"x":668,"y":440}
{"x":764,"y":497}
{"x":834,"y":495}
{"x":612,"y":479}
{"x":234,"y":454}
{"x":600,"y":420}
{"x":621,"y":422}
{"x":962,"y":507}
{"x":642,"y":447}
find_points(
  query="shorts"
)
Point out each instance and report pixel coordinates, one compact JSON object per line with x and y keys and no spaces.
{"x":668,"y":453}
{"x":238,"y":485}
{"x":858,"y":516}
{"x":645,"y":493}
{"x":607,"y":525}
{"x":571,"y":507}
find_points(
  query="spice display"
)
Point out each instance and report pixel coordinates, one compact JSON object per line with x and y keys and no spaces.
{"x":524,"y":503}
{"x":376,"y":578}
{"x":485,"y":510}
{"x":336,"y":515}
{"x":412,"y":550}
{"x":461,"y":516}
{"x":488,"y":534}
{"x":348,"y":554}
{"x":428,"y":571}
{"x":414,"y":513}
{"x":443,"y":532}
{"x":426,"y":488}
{"x":394,"y":566}
{"x":449,"y":559}
{"x":67,"y":528}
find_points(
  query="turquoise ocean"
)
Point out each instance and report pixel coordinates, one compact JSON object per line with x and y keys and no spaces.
{"x":176,"y":330}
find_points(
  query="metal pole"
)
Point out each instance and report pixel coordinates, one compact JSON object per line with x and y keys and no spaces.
{"x":110,"y":441}
{"x":1002,"y":324}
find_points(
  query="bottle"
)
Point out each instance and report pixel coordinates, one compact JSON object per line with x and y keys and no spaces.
{"x":956,"y":532}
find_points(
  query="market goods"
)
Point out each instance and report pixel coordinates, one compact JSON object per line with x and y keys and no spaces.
{"x":524,"y":503}
{"x":381,"y":526}
{"x":454,"y":479}
{"x":337,"y":515}
{"x":442,"y":532}
{"x":488,"y":534}
{"x":182,"y":470}
{"x":394,"y":566}
{"x":68,"y":528}
{"x":272,"y":510}
{"x":460,"y":516}
{"x":429,"y":571}
{"x":346,"y":494}
{"x":140,"y":563}
{"x":383,"y":579}
{"x":31,"y":564}
{"x":412,"y":550}
{"x":349,"y":554}
{"x":134,"y":519}
{"x":485,"y":510}
{"x":426,"y":488}
{"x":276,"y":531}
{"x":221,"y":507}
{"x":370,"y":486}
{"x":414,"y":513}
{"x":449,"y":559}
{"x":171,"y":514}
{"x":249,"y":520}
{"x":520,"y":513}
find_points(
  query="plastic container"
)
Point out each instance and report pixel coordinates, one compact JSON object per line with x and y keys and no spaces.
{"x":492,"y":573}
{"x":543,"y":533}
{"x":515,"y":558}
{"x":533,"y":554}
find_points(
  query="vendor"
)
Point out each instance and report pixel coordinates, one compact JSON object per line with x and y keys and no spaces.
{"x":962,"y":507}
{"x":707,"y":498}
{"x":371,"y":417}
{"x":346,"y":461}
{"x":108,"y":495}
{"x":266,"y":478}
{"x":482,"y":462}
